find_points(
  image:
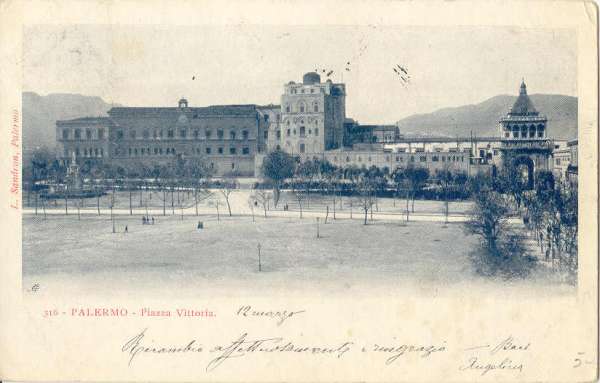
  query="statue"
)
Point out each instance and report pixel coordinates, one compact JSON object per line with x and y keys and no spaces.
{"x":73,"y":179}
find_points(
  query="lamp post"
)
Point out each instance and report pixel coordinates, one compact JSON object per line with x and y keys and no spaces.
{"x":259,"y":264}
{"x":318,"y":227}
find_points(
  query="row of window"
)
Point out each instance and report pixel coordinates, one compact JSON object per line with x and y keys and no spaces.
{"x":523,"y":131}
{"x":412,"y":159}
{"x":515,"y":134}
{"x":435,"y":150}
{"x":133,"y":152}
{"x":301,"y":107}
{"x":295,"y":91}
{"x":89,"y":135}
{"x":302,"y":132}
{"x":182,"y":133}
{"x":87,"y":152}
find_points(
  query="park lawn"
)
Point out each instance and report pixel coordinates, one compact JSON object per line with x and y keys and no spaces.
{"x":69,"y":256}
{"x":225,"y":253}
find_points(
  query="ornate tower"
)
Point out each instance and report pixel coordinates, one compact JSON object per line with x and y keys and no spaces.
{"x":312,"y":115}
{"x":524,"y":143}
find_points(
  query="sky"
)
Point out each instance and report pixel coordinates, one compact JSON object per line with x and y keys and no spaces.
{"x":249,"y":64}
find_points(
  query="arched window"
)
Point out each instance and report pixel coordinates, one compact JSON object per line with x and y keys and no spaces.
{"x":531,"y":131}
{"x":88,"y":134}
{"x":301,"y":107}
{"x":515,"y":130}
{"x":302,"y":131}
{"x":540,"y":131}
{"x":315,"y":106}
{"x":287,"y":109}
{"x":220,"y":134}
{"x":245,"y":134}
{"x":232,"y":134}
{"x":65,"y":134}
{"x":77,"y":134}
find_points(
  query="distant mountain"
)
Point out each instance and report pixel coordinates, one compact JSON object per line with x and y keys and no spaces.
{"x":41,"y":112}
{"x":482,"y":119}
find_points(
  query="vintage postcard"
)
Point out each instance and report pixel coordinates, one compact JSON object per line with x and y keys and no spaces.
{"x":299,"y":191}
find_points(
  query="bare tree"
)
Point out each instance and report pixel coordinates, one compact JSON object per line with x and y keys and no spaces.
{"x":299,"y":194}
{"x":226,"y":188}
{"x":261,"y":197}
{"x":365,"y":196}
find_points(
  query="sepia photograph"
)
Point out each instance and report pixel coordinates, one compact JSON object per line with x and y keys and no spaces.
{"x":292,"y":158}
{"x":265,"y":191}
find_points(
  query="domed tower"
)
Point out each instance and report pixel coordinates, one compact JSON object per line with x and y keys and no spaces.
{"x":183,"y":103}
{"x":312,"y":116}
{"x":523,"y":137}
{"x":311,"y":78}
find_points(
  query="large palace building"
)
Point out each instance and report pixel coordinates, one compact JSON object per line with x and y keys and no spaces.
{"x":309,"y":122}
{"x":228,"y":136}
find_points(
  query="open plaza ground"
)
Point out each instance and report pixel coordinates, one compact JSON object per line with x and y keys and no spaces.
{"x":81,"y":253}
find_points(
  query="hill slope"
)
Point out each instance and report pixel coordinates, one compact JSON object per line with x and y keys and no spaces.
{"x":482,"y":119}
{"x":41,"y":112}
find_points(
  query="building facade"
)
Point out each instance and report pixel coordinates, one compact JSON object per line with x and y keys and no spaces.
{"x":572,"y":168}
{"x":355,"y":133}
{"x":311,"y":122}
{"x":523,"y":137}
{"x":312,"y":116}
{"x":226,"y":137}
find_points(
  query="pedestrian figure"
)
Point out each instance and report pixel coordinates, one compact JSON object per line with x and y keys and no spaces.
{"x":200,"y":225}
{"x":255,"y":203}
{"x":126,"y":229}
{"x":153,"y":220}
{"x":143,"y":220}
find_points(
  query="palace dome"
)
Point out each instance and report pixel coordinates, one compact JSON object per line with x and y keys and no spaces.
{"x":523,"y":106}
{"x":311,"y":78}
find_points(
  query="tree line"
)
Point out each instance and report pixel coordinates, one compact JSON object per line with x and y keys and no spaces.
{"x":548,"y":211}
{"x":365,"y":184}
